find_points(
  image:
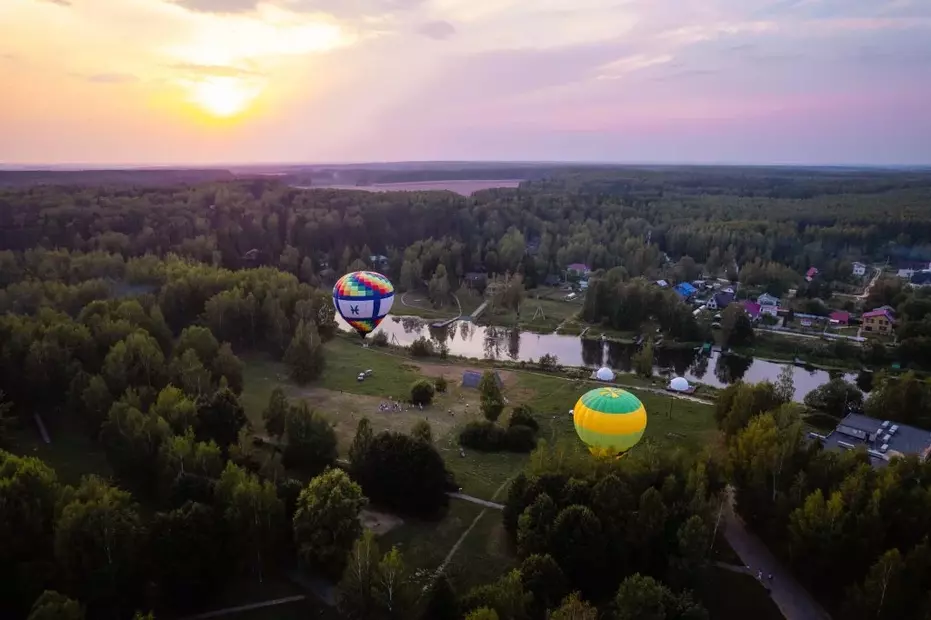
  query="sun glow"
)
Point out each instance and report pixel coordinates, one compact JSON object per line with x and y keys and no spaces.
{"x":223,"y":96}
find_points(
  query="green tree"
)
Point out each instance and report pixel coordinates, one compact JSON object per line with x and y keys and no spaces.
{"x":643,"y":359}
{"x":394,"y":591}
{"x":422,"y":392}
{"x":304,"y":356}
{"x":577,"y":545}
{"x":311,"y":440}
{"x":736,"y":327}
{"x":253,"y":515}
{"x":97,"y":402}
{"x":29,"y":492}
{"x":186,"y":552}
{"x":422,"y":431}
{"x":277,"y":325}
{"x":189,"y":372}
{"x":227,"y":365}
{"x":482,"y":613}
{"x":642,"y":598}
{"x":326,"y":523}
{"x":534,"y":527}
{"x":200,"y":340}
{"x":439,"y":286}
{"x":440,"y":600}
{"x":132,"y":440}
{"x":54,"y":606}
{"x":574,"y":608}
{"x":542,"y":578}
{"x":785,"y":384}
{"x":99,"y":539}
{"x":360,"y":444}
{"x":356,"y":596}
{"x":276,"y":413}
{"x":173,"y":406}
{"x":221,"y":418}
{"x":835,"y":397}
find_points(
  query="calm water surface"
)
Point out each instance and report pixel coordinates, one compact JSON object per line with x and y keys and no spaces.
{"x":500,"y":343}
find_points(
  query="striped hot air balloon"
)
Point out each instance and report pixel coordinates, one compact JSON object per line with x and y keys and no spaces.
{"x":363,"y":299}
{"x":609,"y":421}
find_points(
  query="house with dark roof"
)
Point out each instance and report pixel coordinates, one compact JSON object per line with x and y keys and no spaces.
{"x":920,"y":278}
{"x":883,"y":440}
{"x":720,"y":301}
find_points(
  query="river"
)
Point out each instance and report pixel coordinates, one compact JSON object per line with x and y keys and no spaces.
{"x":500,"y":343}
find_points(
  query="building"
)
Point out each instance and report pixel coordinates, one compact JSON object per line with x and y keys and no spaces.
{"x":379,"y":261}
{"x":859,"y":270}
{"x":662,"y":283}
{"x":839,"y":317}
{"x":920,"y":278}
{"x":579,"y":270}
{"x":720,"y":301}
{"x":811,"y":273}
{"x":882,"y":439}
{"x":767,"y":300}
{"x":685,"y":290}
{"x":752,"y":309}
{"x":879,"y":321}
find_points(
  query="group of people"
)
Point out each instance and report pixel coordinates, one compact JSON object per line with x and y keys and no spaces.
{"x":396,"y":405}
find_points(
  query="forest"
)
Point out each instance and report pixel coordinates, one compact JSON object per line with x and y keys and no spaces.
{"x":128,"y":311}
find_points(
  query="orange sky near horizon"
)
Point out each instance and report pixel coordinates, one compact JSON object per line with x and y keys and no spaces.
{"x":236,"y":81}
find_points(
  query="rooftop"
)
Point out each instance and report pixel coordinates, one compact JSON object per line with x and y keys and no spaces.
{"x":882,"y":439}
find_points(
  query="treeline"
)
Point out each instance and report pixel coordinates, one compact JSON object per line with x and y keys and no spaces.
{"x":547,"y":225}
{"x":856,"y":535}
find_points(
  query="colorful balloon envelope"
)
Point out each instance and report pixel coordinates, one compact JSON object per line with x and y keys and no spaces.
{"x":363,"y":299}
{"x":609,"y":421}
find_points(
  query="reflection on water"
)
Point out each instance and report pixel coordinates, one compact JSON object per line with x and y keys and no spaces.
{"x":501,"y":343}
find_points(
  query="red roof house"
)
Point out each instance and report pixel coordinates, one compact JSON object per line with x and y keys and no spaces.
{"x":752,"y":309}
{"x":811,"y":273}
{"x":840,"y":317}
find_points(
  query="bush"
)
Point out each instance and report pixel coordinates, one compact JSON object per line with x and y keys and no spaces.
{"x":441,"y":384}
{"x":422,"y":347}
{"x":422,"y":392}
{"x":522,"y":415}
{"x":492,"y":408}
{"x":519,"y":438}
{"x":483,"y":436}
{"x":380,"y":339}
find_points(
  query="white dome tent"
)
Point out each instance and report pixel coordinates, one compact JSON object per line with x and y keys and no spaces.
{"x":605,"y":374}
{"x":679,"y":384}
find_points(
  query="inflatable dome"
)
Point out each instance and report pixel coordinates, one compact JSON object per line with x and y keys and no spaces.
{"x":679,"y":384}
{"x":605,"y":374}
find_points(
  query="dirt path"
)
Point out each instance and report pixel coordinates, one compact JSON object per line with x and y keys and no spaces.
{"x":233,"y":610}
{"x":488,"y":506}
{"x":476,"y":500}
{"x":793,"y":600}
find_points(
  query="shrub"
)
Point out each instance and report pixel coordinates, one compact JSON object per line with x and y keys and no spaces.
{"x":492,"y":408}
{"x":380,"y":339}
{"x":523,"y":415}
{"x":441,"y":384}
{"x":422,"y":347}
{"x":520,"y":438}
{"x":483,"y":436}
{"x":422,"y":392}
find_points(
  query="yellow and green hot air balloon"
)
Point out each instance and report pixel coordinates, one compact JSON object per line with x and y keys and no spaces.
{"x":609,"y":420}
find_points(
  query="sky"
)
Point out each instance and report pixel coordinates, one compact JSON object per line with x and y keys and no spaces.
{"x":145,"y":82}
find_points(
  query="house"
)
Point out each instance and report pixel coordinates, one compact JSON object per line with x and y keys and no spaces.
{"x":859,"y":270}
{"x":905,"y":274}
{"x":579,"y":270}
{"x":767,"y":300}
{"x":879,"y":321}
{"x":839,"y":317}
{"x":811,"y":273}
{"x":685,"y":290}
{"x":882,"y":439}
{"x":720,"y":301}
{"x":752,"y":309}
{"x":662,"y":283}
{"x":920,"y":278}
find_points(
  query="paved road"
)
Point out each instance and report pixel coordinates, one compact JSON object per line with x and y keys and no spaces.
{"x":477,"y":500}
{"x":793,"y":600}
{"x":249,"y":607}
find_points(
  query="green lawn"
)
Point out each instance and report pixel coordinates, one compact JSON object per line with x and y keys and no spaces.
{"x":72,"y":453}
{"x":543,"y":310}
{"x":484,"y":555}
{"x":426,"y":543}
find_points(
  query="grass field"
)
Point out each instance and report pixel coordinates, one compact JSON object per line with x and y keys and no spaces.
{"x":542,"y":311}
{"x":72,"y":453}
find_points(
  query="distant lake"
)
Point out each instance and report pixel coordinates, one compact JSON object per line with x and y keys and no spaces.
{"x":466,"y":188}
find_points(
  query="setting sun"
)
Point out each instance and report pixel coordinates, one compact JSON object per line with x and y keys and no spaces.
{"x":223,"y":97}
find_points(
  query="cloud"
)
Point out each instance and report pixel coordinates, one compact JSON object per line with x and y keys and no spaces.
{"x":110,"y":78}
{"x":438,"y":30}
{"x":628,"y":64}
{"x":218,"y":6}
{"x":58,"y":2}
